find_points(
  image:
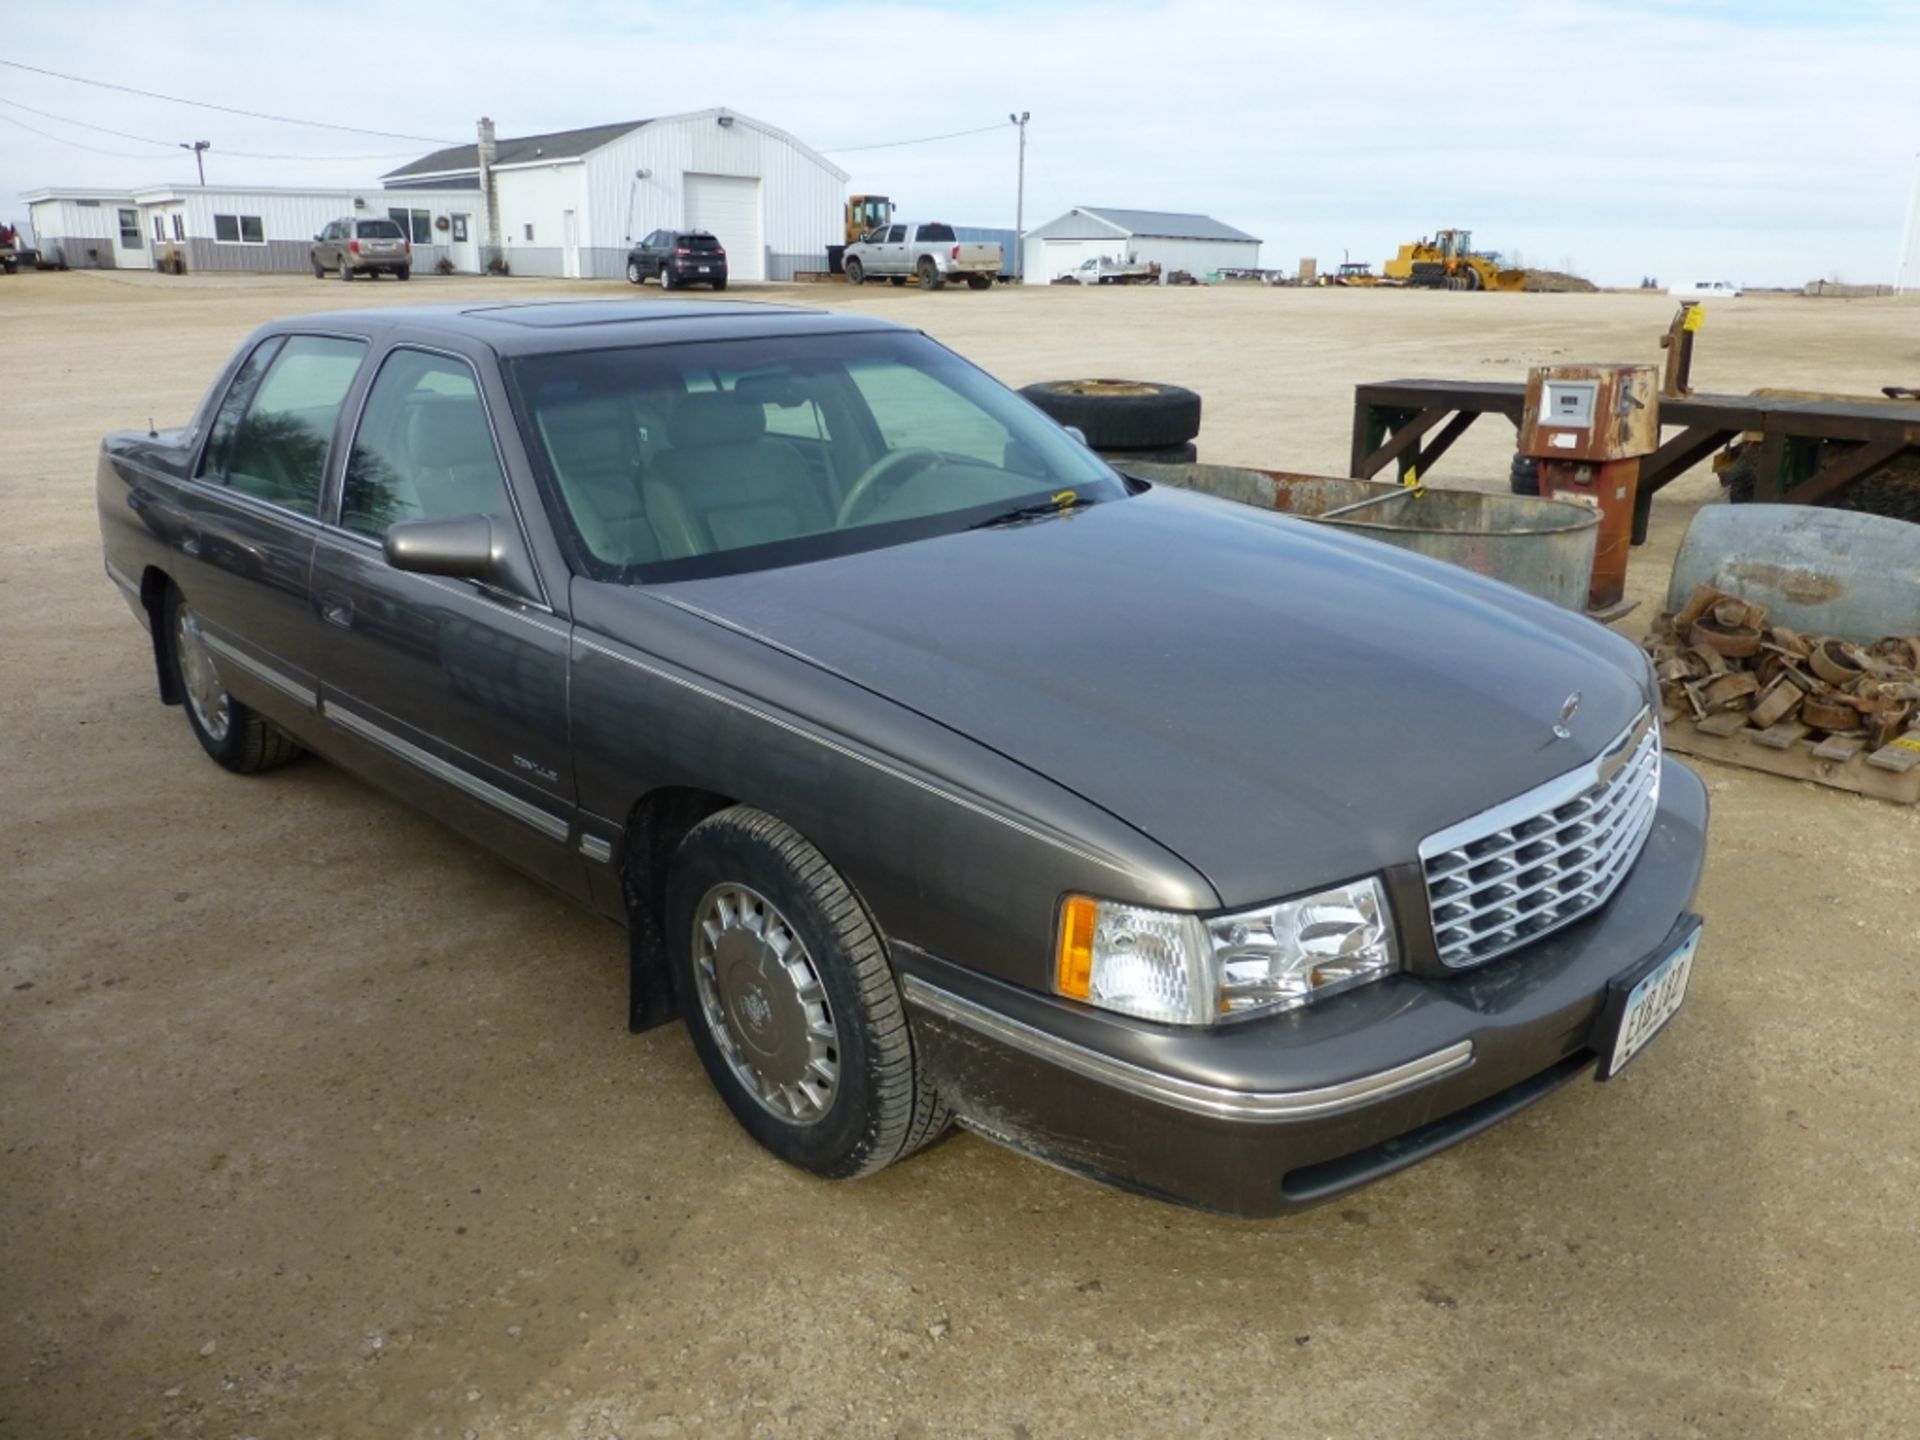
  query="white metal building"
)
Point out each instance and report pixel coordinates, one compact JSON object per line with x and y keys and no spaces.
{"x":213,"y":228}
{"x":1197,"y":243}
{"x":570,"y":203}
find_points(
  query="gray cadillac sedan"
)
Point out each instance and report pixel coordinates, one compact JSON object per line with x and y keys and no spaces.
{"x":936,"y":771}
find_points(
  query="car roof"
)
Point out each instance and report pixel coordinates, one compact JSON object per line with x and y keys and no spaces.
{"x":544,"y":326}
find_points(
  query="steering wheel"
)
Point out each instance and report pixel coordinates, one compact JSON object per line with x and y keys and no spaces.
{"x":886,"y":466}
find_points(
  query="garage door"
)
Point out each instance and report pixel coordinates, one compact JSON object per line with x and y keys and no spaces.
{"x":1062,"y":257}
{"x":729,"y":206}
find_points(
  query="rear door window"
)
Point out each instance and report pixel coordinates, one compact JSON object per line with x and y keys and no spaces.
{"x":277,"y":449}
{"x":937,"y":234}
{"x":896,"y":234}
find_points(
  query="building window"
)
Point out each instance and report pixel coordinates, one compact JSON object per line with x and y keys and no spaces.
{"x":130,"y":229}
{"x":529,"y":232}
{"x":416,"y":225}
{"x":460,"y":229}
{"x":239,"y":230}
{"x":179,"y":227}
{"x":159,"y":226}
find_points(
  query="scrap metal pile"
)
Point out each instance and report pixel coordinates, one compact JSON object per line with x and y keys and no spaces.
{"x":1723,"y":666}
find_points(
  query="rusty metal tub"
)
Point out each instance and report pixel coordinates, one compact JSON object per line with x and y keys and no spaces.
{"x":1544,"y":547}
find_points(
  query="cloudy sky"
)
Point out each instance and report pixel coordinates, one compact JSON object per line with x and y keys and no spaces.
{"x":1763,"y":141}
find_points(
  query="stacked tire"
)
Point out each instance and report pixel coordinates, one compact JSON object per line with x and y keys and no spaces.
{"x":1124,"y":420}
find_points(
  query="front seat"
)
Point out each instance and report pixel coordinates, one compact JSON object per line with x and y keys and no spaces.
{"x":595,"y":450}
{"x":725,"y":485}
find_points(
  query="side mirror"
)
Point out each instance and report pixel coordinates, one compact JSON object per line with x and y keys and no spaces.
{"x":462,"y":548}
{"x":1076,"y":432}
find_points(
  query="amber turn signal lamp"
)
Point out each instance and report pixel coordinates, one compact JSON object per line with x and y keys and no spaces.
{"x":1073,"y":973}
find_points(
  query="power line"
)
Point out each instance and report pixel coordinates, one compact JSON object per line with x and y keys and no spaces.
{"x":62,"y":140}
{"x":895,"y":144}
{"x":224,"y":109}
{"x":171,"y":145}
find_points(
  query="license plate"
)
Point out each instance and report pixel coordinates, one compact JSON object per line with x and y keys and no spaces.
{"x":1650,"y":1004}
{"x":703,"y":269}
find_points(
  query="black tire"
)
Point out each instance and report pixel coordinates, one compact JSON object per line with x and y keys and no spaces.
{"x":1186,"y":454}
{"x":881,"y":1108}
{"x":930,"y":276}
{"x":1523,"y":476}
{"x":899,"y":280}
{"x":1894,"y":492}
{"x":318,"y":272}
{"x":719,"y":285}
{"x":1121,"y":414}
{"x":856,"y":273}
{"x":403,"y":272}
{"x":249,"y":742}
{"x":346,"y":270}
{"x":634,"y":277}
{"x":666,"y":278}
{"x":979,"y":282}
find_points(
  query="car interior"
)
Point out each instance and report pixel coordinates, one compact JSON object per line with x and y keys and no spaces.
{"x":685,"y":462}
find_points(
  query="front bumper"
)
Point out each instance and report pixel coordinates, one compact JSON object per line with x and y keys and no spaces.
{"x":1270,"y":1116}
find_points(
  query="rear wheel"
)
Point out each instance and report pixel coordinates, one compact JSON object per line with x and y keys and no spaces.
{"x":666,"y":278}
{"x":791,"y":1002}
{"x":231,"y":733}
{"x":719,"y":284}
{"x":979,"y":282}
{"x":899,"y":280}
{"x":856,"y":273}
{"x":930,"y":276}
{"x":404,"y":272}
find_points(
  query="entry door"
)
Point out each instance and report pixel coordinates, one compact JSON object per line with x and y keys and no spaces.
{"x":460,"y":244}
{"x":729,"y":206}
{"x":455,"y":692}
{"x":570,"y":244}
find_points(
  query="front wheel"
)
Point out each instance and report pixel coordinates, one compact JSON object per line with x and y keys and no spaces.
{"x":790,"y":999}
{"x":231,"y":733}
{"x":346,"y":270}
{"x":856,"y":273}
{"x":634,"y":277}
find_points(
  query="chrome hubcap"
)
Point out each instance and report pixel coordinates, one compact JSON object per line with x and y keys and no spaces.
{"x":764,"y":1005}
{"x":205,"y":693}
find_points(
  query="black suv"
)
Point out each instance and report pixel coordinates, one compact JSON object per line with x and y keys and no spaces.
{"x":678,"y":257}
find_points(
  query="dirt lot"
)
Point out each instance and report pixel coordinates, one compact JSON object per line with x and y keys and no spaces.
{"x":318,"y":1123}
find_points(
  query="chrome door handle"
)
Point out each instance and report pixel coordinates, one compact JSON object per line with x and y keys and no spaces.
{"x":337,"y":610}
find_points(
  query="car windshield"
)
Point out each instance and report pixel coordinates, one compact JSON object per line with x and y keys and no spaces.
{"x":677,"y":461}
{"x":379,"y":230}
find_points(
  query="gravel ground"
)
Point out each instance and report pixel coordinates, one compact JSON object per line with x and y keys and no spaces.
{"x":317,"y":1122}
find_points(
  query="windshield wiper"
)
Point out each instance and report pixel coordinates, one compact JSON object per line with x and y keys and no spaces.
{"x":1058,"y":504}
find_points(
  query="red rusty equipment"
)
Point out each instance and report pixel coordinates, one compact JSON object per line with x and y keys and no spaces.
{"x":1589,"y":425}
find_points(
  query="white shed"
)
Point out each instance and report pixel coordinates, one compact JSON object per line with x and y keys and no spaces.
{"x":228,"y":227}
{"x":1197,"y":243}
{"x":571,"y":202}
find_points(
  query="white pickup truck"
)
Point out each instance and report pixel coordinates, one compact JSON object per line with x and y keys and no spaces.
{"x":930,"y":253}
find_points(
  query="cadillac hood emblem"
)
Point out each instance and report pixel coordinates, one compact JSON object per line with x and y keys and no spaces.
{"x":1568,"y":709}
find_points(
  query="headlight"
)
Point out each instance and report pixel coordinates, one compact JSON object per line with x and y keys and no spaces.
{"x":1190,"y":970}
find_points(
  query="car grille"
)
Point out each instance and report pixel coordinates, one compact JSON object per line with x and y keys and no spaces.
{"x":1542,"y":860}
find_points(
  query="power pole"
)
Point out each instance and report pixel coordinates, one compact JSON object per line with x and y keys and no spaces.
{"x":199,"y":148}
{"x":1020,"y":200}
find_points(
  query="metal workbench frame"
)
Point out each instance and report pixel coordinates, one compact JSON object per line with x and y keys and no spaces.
{"x":1393,"y":420}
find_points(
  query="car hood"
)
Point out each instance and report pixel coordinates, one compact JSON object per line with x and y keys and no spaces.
{"x":1279,"y":704}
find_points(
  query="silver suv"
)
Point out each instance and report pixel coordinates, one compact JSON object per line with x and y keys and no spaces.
{"x":362,"y":247}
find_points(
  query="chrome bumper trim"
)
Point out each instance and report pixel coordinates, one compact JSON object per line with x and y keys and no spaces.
{"x":262,"y":672}
{"x":552,"y":826}
{"x":122,"y":579}
{"x":1213,"y":1101}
